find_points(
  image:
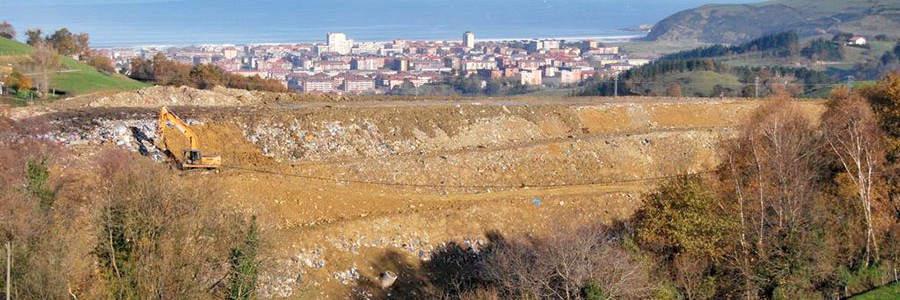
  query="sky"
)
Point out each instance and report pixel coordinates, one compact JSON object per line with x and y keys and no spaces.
{"x":179,"y":22}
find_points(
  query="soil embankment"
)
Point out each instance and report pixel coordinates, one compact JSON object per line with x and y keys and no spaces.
{"x":336,"y":186}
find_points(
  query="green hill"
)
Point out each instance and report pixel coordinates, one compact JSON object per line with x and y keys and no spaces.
{"x":73,"y":77}
{"x":890,"y":291}
{"x":735,"y":23}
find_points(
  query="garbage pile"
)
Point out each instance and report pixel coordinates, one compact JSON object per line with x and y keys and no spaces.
{"x":136,"y":135}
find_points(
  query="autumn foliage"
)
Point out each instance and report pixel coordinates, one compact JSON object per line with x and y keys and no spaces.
{"x":163,"y":71}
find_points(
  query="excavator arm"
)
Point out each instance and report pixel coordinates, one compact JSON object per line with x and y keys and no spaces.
{"x":168,"y":119}
{"x":191,"y":158}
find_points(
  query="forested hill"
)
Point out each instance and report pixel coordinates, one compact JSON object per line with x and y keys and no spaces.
{"x":736,"y":23}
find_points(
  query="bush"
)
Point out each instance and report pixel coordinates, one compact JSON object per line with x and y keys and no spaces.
{"x":38,"y":182}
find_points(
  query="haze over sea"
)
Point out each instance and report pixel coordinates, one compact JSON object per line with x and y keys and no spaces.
{"x":119,"y":23}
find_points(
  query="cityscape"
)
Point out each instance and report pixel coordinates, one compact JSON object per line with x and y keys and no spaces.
{"x":341,"y":65}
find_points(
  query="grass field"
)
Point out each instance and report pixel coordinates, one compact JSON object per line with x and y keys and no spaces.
{"x":823,"y":93}
{"x":697,"y":83}
{"x":652,"y":49}
{"x":890,"y":291}
{"x":74,"y":77}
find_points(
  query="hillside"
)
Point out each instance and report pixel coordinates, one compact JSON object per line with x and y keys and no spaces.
{"x":734,"y":23}
{"x":73,"y":78}
{"x":891,"y":291}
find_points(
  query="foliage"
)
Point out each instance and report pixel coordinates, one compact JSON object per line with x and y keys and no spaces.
{"x":680,"y":217}
{"x":593,"y":291}
{"x":156,"y":239}
{"x":102,"y":63}
{"x":7,"y":31}
{"x":885,"y":100}
{"x":38,"y":185}
{"x":638,"y":80}
{"x":778,"y":45}
{"x":244,"y":265}
{"x":163,"y":71}
{"x":68,"y":43}
{"x":821,"y":49}
{"x":851,"y":131}
{"x":19,"y":82}
{"x":78,"y":78}
{"x":33,"y":36}
{"x":673,"y":90}
{"x":46,"y":60}
{"x":464,"y":85}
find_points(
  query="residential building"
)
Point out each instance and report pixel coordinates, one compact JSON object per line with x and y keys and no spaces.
{"x":230,"y":53}
{"x":359,"y":85}
{"x":857,"y":41}
{"x":469,"y":40}
{"x":528,"y":77}
{"x":338,"y":43}
{"x":318,"y":85}
{"x":367,"y":63}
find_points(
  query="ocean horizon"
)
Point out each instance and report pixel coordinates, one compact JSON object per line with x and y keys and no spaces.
{"x":131,"y":23}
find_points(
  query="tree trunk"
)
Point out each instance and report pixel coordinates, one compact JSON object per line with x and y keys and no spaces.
{"x":8,"y":270}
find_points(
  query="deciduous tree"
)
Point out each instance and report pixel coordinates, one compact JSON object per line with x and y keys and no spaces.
{"x":46,"y":60}
{"x":34,"y":36}
{"x":852,"y":133}
{"x":7,"y":30}
{"x":774,"y":180}
{"x":64,"y":42}
{"x":102,"y":63}
{"x":673,"y":90}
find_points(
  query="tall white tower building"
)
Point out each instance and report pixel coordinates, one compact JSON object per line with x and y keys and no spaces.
{"x":338,"y":42}
{"x":469,"y":39}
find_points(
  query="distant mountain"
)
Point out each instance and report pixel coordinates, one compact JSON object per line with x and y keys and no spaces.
{"x":735,"y":23}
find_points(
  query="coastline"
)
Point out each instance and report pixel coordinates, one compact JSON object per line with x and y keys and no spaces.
{"x":622,"y":38}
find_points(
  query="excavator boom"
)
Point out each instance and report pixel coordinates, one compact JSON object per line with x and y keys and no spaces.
{"x":190,"y":158}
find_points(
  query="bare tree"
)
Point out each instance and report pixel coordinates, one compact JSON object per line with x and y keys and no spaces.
{"x":852,"y":133}
{"x":46,"y":60}
{"x":563,"y":264}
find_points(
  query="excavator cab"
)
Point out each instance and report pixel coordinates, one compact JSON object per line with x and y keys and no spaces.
{"x":194,"y":160}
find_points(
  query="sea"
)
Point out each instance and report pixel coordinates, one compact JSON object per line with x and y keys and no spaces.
{"x":131,"y":23}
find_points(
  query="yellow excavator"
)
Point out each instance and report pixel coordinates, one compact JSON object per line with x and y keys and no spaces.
{"x":190,"y":157}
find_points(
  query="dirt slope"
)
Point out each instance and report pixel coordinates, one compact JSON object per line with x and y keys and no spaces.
{"x":338,"y":188}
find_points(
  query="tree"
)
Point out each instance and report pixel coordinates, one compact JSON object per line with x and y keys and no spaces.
{"x":102,"y":63}
{"x":64,"y":42}
{"x":571,"y":261}
{"x":244,"y":266}
{"x":673,"y":90}
{"x":680,"y":217}
{"x":156,"y":237}
{"x":34,"y":36}
{"x":82,"y":44}
{"x":46,"y":60}
{"x":19,"y":82}
{"x":38,"y":182}
{"x":888,"y":58}
{"x":852,"y":133}
{"x":773,"y":189}
{"x":7,"y":31}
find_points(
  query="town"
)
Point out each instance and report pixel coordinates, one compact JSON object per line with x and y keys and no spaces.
{"x":342,"y":66}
